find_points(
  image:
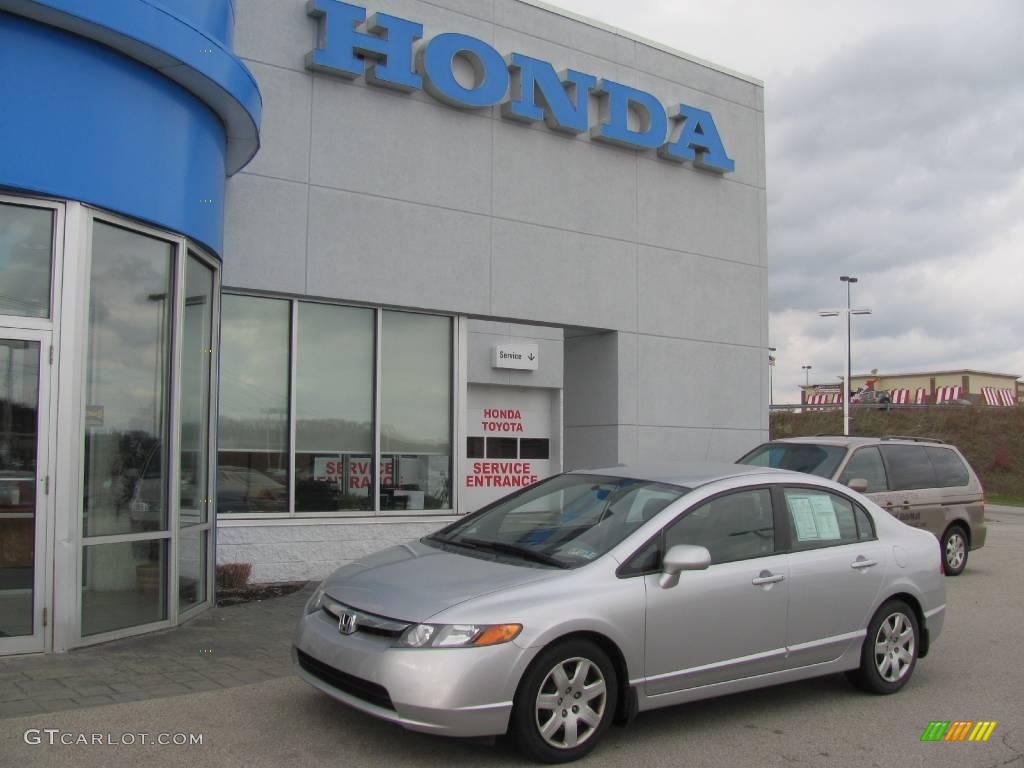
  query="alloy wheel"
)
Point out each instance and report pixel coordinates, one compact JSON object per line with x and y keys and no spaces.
{"x":571,"y":703}
{"x":956,"y":551}
{"x":894,"y":647}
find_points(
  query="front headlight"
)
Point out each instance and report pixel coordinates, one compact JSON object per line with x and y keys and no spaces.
{"x":458,"y":635}
{"x":315,"y":602}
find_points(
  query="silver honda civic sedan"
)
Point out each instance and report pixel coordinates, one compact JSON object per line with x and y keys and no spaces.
{"x":592,"y":596}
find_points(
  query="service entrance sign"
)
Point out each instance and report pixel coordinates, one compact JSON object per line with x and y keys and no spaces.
{"x":518,"y":357}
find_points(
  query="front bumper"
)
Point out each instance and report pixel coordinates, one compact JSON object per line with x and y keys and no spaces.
{"x":462,"y":692}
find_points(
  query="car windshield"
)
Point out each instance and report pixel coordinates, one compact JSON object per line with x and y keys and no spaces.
{"x":564,"y":522}
{"x":810,"y":458}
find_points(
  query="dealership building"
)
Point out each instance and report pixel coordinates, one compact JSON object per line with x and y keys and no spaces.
{"x":284,"y":283}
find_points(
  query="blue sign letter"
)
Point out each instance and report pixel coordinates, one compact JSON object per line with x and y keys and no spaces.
{"x":436,"y":62}
{"x":536,"y":81}
{"x":387,"y":42}
{"x":698,"y":142}
{"x":616,"y":130}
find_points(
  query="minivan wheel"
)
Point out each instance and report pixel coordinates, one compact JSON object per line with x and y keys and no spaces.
{"x":565,"y":702}
{"x":889,"y":655}
{"x":954,"y":550}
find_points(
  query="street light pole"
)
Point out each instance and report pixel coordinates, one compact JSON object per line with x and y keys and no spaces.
{"x":849,"y":331}
{"x":807,"y":374}
{"x":846,"y":377}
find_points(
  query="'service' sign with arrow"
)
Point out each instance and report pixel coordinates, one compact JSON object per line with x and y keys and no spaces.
{"x":518,"y":357}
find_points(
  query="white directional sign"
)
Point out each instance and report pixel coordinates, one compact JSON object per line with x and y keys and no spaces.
{"x":519,"y":357}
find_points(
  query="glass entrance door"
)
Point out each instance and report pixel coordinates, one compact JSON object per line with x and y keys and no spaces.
{"x":24,"y":375}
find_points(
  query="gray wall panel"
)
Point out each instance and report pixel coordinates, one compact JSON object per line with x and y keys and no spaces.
{"x":265,"y":234}
{"x":284,"y":134}
{"x":377,"y":250}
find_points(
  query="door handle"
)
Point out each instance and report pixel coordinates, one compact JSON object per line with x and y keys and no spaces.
{"x":767,"y":578}
{"x":861,"y":564}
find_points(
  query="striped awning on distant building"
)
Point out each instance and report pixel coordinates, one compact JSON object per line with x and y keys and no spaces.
{"x":998,"y":397}
{"x":944,"y":394}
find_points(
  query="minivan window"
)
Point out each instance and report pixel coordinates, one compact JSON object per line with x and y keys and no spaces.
{"x":909,"y":467}
{"x":866,"y":464}
{"x":950,"y":471}
{"x":809,"y":458}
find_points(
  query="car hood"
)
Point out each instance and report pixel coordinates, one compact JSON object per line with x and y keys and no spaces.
{"x":412,"y":582}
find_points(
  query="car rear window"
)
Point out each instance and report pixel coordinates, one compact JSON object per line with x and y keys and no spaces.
{"x":909,"y":467}
{"x":950,"y":471}
{"x":809,"y":458}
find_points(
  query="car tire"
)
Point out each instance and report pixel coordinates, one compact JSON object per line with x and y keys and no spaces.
{"x":890,"y":649}
{"x":554,"y":723}
{"x":954,"y":550}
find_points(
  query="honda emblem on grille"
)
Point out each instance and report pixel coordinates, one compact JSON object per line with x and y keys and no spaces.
{"x":348,"y":623}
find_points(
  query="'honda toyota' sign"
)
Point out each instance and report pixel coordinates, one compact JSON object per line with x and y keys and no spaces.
{"x":528,"y":89}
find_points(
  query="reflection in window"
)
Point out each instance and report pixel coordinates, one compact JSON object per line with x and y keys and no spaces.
{"x":123,"y":585}
{"x":127,"y":364}
{"x":736,"y":526}
{"x":334,"y":408}
{"x":416,"y":419}
{"x":253,"y":456}
{"x":26,"y":244}
{"x":502,"y":448}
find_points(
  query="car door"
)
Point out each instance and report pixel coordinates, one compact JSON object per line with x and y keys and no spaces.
{"x":836,"y":568}
{"x":914,"y":496}
{"x":726,"y":622}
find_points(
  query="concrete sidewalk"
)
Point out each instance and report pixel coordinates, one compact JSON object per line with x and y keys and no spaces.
{"x":223,"y":648}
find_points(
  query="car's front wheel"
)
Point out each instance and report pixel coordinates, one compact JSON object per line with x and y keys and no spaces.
{"x":954,"y":550}
{"x":565,"y":702}
{"x":890,"y":650}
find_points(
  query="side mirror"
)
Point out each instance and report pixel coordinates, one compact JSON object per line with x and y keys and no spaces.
{"x":858,"y":484}
{"x":682,"y":557}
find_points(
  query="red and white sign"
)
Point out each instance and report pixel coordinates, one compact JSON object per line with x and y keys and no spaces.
{"x":1002,"y":398}
{"x":501,"y":474}
{"x":334,"y":470}
{"x":501,"y":420}
{"x":899,"y":396}
{"x":943,"y":394}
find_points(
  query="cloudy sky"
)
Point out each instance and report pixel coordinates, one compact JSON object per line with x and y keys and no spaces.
{"x":895,"y":146}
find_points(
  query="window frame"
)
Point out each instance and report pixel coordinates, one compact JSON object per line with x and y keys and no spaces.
{"x":228,"y":519}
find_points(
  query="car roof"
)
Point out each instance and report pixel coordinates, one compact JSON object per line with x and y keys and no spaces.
{"x":690,"y":474}
{"x":841,"y":440}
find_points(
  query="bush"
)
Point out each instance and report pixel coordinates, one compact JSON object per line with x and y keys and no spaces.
{"x":233,"y":575}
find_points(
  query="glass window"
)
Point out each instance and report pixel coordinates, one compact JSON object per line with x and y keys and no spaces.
{"x":334,"y":408}
{"x":127,"y":365}
{"x":534,"y":448}
{"x":909,"y":467}
{"x":820,"y":519}
{"x":866,"y":464}
{"x":192,"y":558}
{"x":949,"y":468}
{"x":811,"y":458}
{"x":865,"y":528}
{"x":196,"y":359}
{"x":253,"y":459}
{"x":502,"y":448}
{"x":26,"y":258}
{"x":19,"y":442}
{"x":566,"y":521}
{"x":123,"y":585}
{"x":416,"y":404}
{"x":733,"y":527}
{"x":474,"y":448}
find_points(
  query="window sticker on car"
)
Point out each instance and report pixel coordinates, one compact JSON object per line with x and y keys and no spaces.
{"x":814,"y":518}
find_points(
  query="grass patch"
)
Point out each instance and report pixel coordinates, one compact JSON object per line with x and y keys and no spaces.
{"x":1008,"y":501}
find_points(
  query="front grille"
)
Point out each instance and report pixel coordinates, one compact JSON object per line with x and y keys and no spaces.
{"x":361,"y":689}
{"x":366,"y":622}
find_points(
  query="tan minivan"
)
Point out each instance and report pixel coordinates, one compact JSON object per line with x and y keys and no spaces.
{"x":925,"y":483}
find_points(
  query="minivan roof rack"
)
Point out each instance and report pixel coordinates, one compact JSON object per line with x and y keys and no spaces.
{"x":832,"y":434}
{"x":914,"y":439}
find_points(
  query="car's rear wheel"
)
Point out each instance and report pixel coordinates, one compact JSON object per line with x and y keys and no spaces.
{"x":889,"y":655}
{"x":954,"y":550}
{"x":565,"y":702}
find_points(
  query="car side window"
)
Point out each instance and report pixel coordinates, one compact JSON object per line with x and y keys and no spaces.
{"x":820,"y":519}
{"x":736,"y":526}
{"x":909,"y":467}
{"x":950,"y":471}
{"x":865,"y":527}
{"x":866,"y":464}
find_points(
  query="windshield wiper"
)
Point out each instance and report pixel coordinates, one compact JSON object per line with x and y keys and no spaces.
{"x":510,"y":549}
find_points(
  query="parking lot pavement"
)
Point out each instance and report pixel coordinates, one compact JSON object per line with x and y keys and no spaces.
{"x":973,"y":673}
